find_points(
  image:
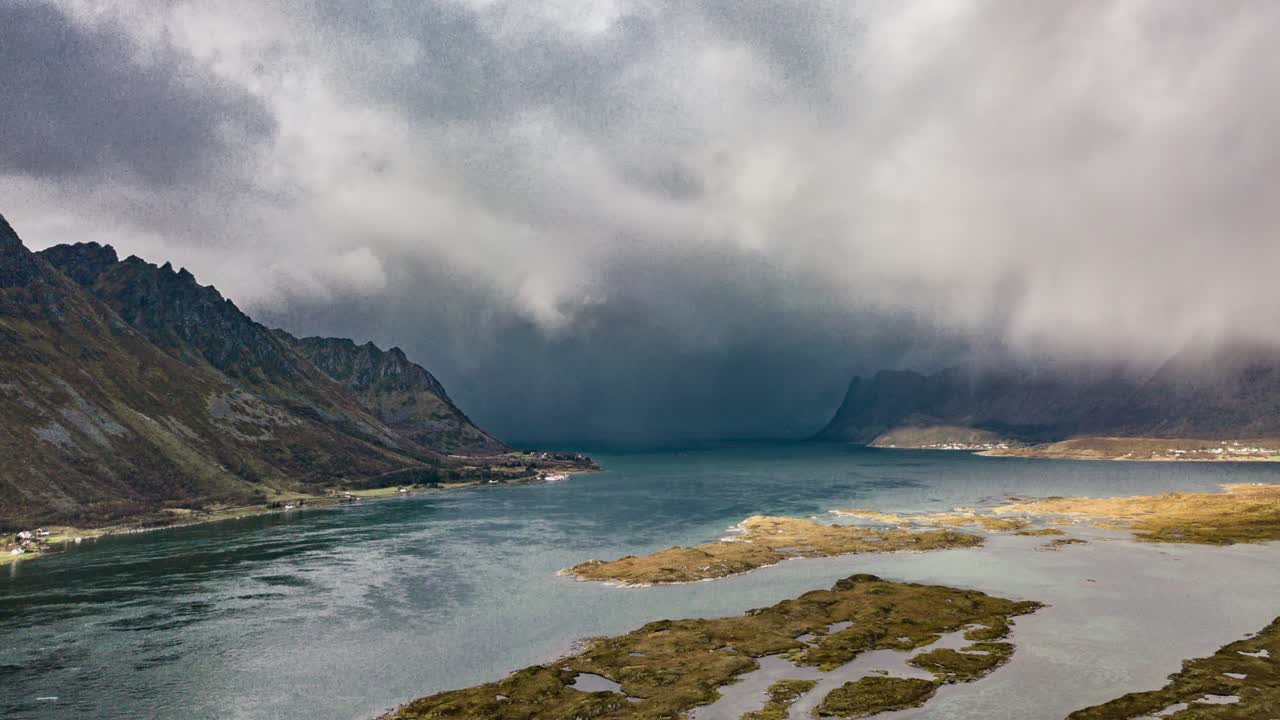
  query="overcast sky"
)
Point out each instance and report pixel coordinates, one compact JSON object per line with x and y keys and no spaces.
{"x":645,"y":220}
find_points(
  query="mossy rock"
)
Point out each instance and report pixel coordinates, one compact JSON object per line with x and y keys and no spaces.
{"x":781,"y":696}
{"x":875,"y":694}
{"x":667,"y":668}
{"x":964,"y":665}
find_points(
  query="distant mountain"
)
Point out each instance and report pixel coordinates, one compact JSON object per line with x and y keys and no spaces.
{"x":127,"y":388}
{"x":1206,"y":392}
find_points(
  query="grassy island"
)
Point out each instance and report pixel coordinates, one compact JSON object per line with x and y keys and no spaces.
{"x":1239,"y":682}
{"x":666,"y":668}
{"x":1244,"y":513}
{"x":764,"y":541}
{"x":874,"y":694}
{"x":782,"y":694}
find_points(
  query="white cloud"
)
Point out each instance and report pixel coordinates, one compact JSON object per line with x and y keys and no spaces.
{"x":1091,"y":178}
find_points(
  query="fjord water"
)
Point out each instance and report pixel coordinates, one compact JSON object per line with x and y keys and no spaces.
{"x":340,"y":614}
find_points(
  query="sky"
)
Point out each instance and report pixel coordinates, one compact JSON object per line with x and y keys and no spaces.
{"x":636,"y":221}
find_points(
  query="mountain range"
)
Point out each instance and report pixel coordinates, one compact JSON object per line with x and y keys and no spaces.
{"x":128,"y":388}
{"x":1207,"y":391}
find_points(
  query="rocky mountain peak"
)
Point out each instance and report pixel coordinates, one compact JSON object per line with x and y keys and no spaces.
{"x":177,"y":312}
{"x":82,"y":262}
{"x":18,"y":267}
{"x":7,"y":234}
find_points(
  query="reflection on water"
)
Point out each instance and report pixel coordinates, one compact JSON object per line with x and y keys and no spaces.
{"x":343,"y":613}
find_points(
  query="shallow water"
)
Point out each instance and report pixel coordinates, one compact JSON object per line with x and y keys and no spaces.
{"x":750,"y":693}
{"x":341,"y":614}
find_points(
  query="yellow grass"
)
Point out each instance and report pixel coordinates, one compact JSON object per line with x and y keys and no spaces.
{"x":764,"y":541}
{"x":952,"y":519}
{"x":1244,"y":513}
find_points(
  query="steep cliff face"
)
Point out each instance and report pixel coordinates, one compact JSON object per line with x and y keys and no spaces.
{"x":893,"y":398}
{"x":127,"y":388}
{"x":400,"y":393}
{"x":1222,"y":392}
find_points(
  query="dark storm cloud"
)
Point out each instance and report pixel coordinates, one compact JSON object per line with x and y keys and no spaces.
{"x":724,"y":350}
{"x":460,"y":71}
{"x":642,"y":219}
{"x":80,"y":101}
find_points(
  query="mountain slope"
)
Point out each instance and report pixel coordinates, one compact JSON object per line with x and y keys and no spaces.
{"x":1020,"y":405}
{"x":1227,"y":391}
{"x":99,"y":423}
{"x":128,"y":389}
{"x":197,"y":326}
{"x":401,"y":394}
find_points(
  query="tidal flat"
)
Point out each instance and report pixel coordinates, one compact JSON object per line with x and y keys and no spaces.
{"x":1239,"y":682}
{"x":670,"y":667}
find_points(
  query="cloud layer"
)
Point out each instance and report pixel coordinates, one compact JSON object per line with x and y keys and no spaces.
{"x":634,"y":218}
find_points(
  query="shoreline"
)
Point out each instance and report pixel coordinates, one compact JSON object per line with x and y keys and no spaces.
{"x":1109,"y":447}
{"x":63,"y":535}
{"x":1144,"y":449}
{"x":1048,"y":455}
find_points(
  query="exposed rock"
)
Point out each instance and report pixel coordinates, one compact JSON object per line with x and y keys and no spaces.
{"x":399,"y":392}
{"x":82,"y":262}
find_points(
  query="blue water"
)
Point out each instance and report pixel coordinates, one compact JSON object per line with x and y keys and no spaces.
{"x":340,"y":614}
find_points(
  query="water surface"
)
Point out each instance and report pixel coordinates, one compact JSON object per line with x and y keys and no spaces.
{"x":340,"y":614}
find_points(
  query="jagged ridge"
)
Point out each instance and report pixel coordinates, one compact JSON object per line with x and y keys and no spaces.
{"x":399,"y":392}
{"x":127,"y":387}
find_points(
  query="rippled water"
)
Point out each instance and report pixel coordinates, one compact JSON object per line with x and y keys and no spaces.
{"x":344,"y":613}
